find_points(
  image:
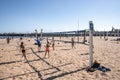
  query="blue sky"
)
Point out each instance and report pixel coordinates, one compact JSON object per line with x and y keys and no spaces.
{"x":58,"y":15}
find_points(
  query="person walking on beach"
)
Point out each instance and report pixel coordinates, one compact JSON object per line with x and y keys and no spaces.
{"x":22,"y":48}
{"x":53,"y":45}
{"x":47,"y":49}
{"x":72,"y":43}
{"x":20,"y":40}
{"x":39,"y":44}
{"x":8,"y":40}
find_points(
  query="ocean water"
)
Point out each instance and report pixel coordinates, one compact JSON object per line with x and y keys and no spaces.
{"x":12,"y":36}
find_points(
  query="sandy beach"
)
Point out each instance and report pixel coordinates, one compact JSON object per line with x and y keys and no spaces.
{"x":64,"y":62}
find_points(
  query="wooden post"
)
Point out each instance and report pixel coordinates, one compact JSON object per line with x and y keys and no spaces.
{"x":78,"y":31}
{"x":52,"y":39}
{"x":91,"y":43}
{"x":84,"y":36}
{"x":100,"y":34}
{"x":118,"y":36}
{"x":84,"y":40}
{"x":118,"y":33}
{"x":107,"y":35}
{"x":60,"y":36}
{"x":41,"y":33}
{"x":104,"y":34}
{"x":78,"y":36}
{"x":36,"y":33}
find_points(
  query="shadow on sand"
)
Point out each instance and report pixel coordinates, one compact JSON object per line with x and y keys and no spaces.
{"x":38,"y":72}
{"x":64,"y":74}
{"x":11,"y":62}
{"x":84,"y":54}
{"x":44,"y":60}
{"x":35,"y":69}
{"x":65,"y":49}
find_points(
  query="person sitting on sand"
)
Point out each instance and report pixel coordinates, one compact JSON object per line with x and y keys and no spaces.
{"x":22,"y":48}
{"x":39,"y":44}
{"x":97,"y":66}
{"x":47,"y":49}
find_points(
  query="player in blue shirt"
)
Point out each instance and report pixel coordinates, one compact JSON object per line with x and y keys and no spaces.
{"x":39,"y":44}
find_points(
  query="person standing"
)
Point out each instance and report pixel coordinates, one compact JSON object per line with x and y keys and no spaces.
{"x":53,"y":45}
{"x":39,"y":44}
{"x":47,"y":49}
{"x":22,"y":48}
{"x":72,"y":43}
{"x":8,"y":40}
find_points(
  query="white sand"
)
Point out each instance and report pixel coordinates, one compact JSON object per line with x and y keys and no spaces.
{"x":64,"y":63}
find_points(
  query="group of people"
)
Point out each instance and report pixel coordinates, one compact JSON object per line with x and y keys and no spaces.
{"x":39,"y":44}
{"x":47,"y":47}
